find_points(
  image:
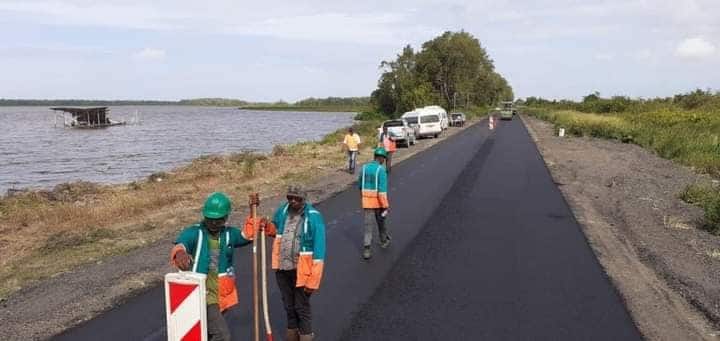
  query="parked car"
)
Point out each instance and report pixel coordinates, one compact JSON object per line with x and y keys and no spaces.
{"x":427,"y":122}
{"x":457,"y":119}
{"x":400,"y":131}
{"x":436,"y":109}
{"x":507,"y":112}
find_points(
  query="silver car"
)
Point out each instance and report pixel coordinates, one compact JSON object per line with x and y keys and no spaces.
{"x":400,"y":132}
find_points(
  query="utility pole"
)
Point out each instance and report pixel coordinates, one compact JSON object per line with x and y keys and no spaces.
{"x":454,"y":99}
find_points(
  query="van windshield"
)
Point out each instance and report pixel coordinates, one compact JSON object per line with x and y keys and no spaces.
{"x":394,"y":124}
{"x":411,"y":119}
{"x":429,"y":119}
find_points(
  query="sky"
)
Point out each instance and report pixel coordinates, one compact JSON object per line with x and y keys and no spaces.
{"x":289,"y":50}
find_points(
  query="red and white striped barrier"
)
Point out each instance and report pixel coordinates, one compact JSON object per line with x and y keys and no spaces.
{"x":185,"y":306}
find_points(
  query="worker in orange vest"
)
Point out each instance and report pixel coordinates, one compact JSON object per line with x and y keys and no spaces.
{"x":388,"y":144}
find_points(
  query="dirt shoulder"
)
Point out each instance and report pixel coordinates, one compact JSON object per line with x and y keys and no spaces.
{"x":626,"y":200}
{"x":69,"y":298}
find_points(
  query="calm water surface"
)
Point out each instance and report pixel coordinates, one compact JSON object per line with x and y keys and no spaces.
{"x":35,"y":154}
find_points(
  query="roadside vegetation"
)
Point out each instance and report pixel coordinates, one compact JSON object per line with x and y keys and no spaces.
{"x":684,"y":128}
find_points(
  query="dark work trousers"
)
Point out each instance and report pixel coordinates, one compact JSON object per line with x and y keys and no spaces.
{"x":373,"y":216}
{"x":216,"y":324}
{"x":388,"y":161}
{"x":296,"y":302}
{"x":352,"y":160}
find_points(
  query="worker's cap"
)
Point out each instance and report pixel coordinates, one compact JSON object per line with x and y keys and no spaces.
{"x":296,"y":191}
{"x":380,"y":151}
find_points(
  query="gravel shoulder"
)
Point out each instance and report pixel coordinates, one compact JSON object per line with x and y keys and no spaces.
{"x":52,"y":306}
{"x":648,"y":240}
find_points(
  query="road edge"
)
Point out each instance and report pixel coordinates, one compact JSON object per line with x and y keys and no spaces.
{"x":616,"y":257}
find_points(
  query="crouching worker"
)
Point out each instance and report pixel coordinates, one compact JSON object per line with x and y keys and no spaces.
{"x":207,"y":247}
{"x":298,"y":253}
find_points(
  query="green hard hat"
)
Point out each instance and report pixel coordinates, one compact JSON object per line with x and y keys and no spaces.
{"x":217,"y":206}
{"x":380,"y":151}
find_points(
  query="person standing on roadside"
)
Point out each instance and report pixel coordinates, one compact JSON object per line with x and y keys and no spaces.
{"x":375,"y":204}
{"x":352,"y":145}
{"x":389,"y":145}
{"x":208,"y":247}
{"x":298,"y":255}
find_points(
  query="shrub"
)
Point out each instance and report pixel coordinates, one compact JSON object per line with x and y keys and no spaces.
{"x":708,"y":198}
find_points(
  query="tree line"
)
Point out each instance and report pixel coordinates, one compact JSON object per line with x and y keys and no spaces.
{"x":359,"y":103}
{"x":451,"y":70}
{"x":704,"y":100}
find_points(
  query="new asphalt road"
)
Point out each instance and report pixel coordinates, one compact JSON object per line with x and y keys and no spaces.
{"x":484,"y":248}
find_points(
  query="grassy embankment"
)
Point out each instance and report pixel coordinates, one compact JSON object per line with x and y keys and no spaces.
{"x":43,"y":233}
{"x":687,"y":136}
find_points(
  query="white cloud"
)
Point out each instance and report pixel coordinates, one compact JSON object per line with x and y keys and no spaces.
{"x":645,"y":56}
{"x":695,"y":48}
{"x":605,"y":57}
{"x":150,"y":54}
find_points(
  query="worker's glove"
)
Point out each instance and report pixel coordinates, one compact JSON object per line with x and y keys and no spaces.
{"x":384,"y":213}
{"x":183,"y":261}
{"x":254,"y":199}
{"x":267,"y":226}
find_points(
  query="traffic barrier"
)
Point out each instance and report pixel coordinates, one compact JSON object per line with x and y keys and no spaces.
{"x":491,"y":123}
{"x":561,"y":132}
{"x":185,"y":306}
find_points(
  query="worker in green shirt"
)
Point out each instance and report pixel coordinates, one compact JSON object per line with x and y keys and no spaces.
{"x":207,"y":247}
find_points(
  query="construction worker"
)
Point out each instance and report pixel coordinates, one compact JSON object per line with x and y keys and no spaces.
{"x":352,"y":144}
{"x":207,"y":247}
{"x":373,"y":185}
{"x":298,"y":255}
{"x":390,"y":147}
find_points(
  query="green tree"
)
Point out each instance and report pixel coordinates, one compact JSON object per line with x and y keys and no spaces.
{"x":451,"y":69}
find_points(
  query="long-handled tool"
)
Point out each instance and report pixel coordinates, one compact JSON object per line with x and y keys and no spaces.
{"x":263,"y":267}
{"x":256,"y":313}
{"x":259,"y":238}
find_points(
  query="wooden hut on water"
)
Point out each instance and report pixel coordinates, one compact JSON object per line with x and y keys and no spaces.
{"x":85,"y":117}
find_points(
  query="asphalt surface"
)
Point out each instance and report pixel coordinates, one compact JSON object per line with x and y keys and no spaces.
{"x":484,"y":247}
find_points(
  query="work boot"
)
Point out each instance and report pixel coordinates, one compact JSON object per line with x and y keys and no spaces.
{"x":385,"y":242}
{"x":367,"y":253}
{"x":307,"y":337}
{"x":292,"y":335}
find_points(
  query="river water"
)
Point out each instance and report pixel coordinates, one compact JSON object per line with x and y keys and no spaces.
{"x":36,"y":154}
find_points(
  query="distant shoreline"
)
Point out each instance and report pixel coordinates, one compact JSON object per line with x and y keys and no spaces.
{"x":219,"y":102}
{"x":330,"y":104}
{"x":304,"y":108}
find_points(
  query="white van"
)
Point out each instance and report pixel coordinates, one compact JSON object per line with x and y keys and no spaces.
{"x":427,"y":122}
{"x":436,"y":109}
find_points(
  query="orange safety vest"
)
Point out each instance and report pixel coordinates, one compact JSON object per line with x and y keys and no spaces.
{"x":388,"y":143}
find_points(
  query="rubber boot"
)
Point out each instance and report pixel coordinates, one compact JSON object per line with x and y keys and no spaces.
{"x":367,"y":253}
{"x":385,"y":241}
{"x":292,"y":335}
{"x":308,"y":337}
